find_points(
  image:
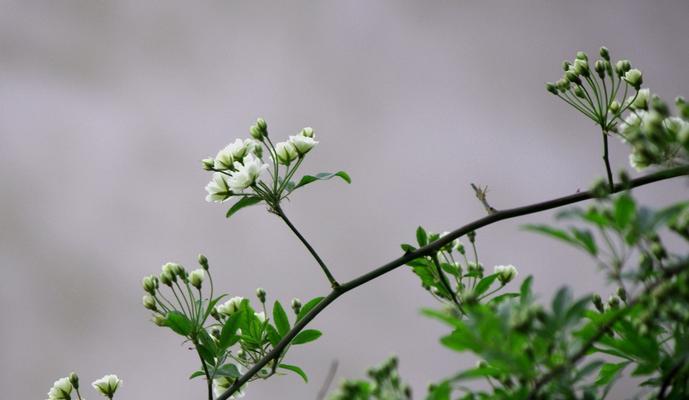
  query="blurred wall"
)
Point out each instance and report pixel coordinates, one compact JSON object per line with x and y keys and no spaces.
{"x":107,"y":106}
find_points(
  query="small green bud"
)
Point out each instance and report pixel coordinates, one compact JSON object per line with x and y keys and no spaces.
{"x":307,"y":132}
{"x":605,"y":53}
{"x":149,"y":302}
{"x":74,"y":380}
{"x":659,"y":106}
{"x":599,"y":66}
{"x":203,"y":261}
{"x":598,"y":303}
{"x":159,"y":320}
{"x":641,"y":100}
{"x":572,"y":77}
{"x":261,"y":294}
{"x":634,"y":78}
{"x":566,"y":65}
{"x":150,"y":284}
{"x":166,"y":278}
{"x":622,"y":66}
{"x":622,"y":294}
{"x":208,"y":164}
{"x":472,"y":236}
{"x":613,"y":302}
{"x":581,"y":67}
{"x":551,"y":87}
{"x":296,"y":305}
{"x":579,"y":92}
{"x":196,"y":277}
{"x":608,"y":67}
{"x":682,"y":107}
{"x":615,"y":107}
{"x":582,"y":56}
{"x":563,"y":85}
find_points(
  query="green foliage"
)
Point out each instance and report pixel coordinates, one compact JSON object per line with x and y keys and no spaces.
{"x":383,"y":383}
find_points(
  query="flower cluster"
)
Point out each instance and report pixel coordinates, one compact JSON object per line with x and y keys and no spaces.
{"x":62,"y":388}
{"x":656,"y":137}
{"x":238,"y":168}
{"x":595,"y":92}
{"x":456,"y":281}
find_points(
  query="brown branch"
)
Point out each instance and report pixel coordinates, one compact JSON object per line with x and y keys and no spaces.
{"x":481,"y":195}
{"x":432,"y":248}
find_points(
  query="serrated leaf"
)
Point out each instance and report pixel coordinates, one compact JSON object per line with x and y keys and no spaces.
{"x":306,"y":179}
{"x":306,"y":336}
{"x":280,"y":319}
{"x":179,"y":323}
{"x":242,"y":203}
{"x":296,"y":370}
{"x":484,"y":284}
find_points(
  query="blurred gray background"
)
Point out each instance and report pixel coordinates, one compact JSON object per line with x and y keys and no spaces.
{"x":106,"y":107}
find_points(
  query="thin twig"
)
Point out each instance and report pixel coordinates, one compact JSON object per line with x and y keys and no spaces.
{"x":481,"y":196}
{"x":432,"y":248}
{"x":328,"y":381}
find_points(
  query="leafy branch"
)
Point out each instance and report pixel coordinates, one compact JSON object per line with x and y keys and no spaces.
{"x":434,"y":247}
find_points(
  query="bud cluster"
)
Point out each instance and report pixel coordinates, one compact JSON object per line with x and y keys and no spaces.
{"x":62,"y":388}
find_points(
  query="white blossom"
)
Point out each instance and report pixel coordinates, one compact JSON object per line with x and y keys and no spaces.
{"x":107,"y":385}
{"x":218,"y":189}
{"x":221,"y":384}
{"x":246,"y":173}
{"x":286,"y":152}
{"x":61,"y":390}
{"x":229,"y":307}
{"x":261,"y":316}
{"x":302,"y":143}
{"x":196,"y":277}
{"x":506,"y":273}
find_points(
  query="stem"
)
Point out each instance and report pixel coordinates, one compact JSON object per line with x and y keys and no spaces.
{"x":430,"y":249}
{"x":446,"y":283}
{"x":606,"y":160}
{"x":326,"y":271}
{"x":209,"y":381}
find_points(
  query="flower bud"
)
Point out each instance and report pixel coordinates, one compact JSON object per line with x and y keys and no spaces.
{"x":579,"y":92}
{"x":682,"y":107}
{"x":599,"y":66}
{"x":613,"y":302}
{"x":615,"y":107}
{"x":286,"y":153}
{"x":166,"y":278}
{"x":296,"y":305}
{"x":634,"y":78}
{"x":149,"y":302}
{"x":551,"y":87}
{"x":208,"y":163}
{"x":659,"y":106}
{"x":572,"y":77}
{"x":641,"y":100}
{"x":622,"y":66}
{"x":581,"y":67}
{"x":598,"y":303}
{"x":604,"y":53}
{"x":196,"y":277}
{"x":74,"y":380}
{"x":307,"y":132}
{"x":582,"y":56}
{"x":150,"y":284}
{"x":159,"y":320}
{"x":261,"y":294}
{"x":608,"y":68}
{"x":203,"y":261}
{"x":566,"y":65}
{"x":622,"y":294}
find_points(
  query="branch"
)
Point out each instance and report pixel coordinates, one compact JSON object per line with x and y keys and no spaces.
{"x":605,"y":328}
{"x":481,"y":196}
{"x":433,"y":248}
{"x":326,"y":271}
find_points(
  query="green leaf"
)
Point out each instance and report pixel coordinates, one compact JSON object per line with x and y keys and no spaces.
{"x":308,"y":306}
{"x":280,"y":319}
{"x":323,"y":176}
{"x":196,"y":374}
{"x":228,"y":370}
{"x":579,"y":238}
{"x":307,"y":335}
{"x":179,"y":323}
{"x":243,"y":202}
{"x":407,"y":248}
{"x":625,"y":209}
{"x":228,"y":334}
{"x":586,"y":240}
{"x":484,"y":284}
{"x":609,"y":372}
{"x":421,"y":236}
{"x":296,"y":370}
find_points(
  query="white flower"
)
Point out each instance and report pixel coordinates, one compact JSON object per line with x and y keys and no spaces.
{"x":286,"y":152}
{"x":302,"y":143}
{"x":218,"y":189}
{"x":307,"y":132}
{"x":253,"y":147}
{"x":196,"y":277}
{"x":261,"y":316}
{"x":221,"y":384}
{"x":246,"y":173}
{"x":61,"y":390}
{"x":229,"y":307}
{"x":637,"y":162}
{"x":641,"y":101}
{"x":506,"y":273}
{"x":107,"y":385}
